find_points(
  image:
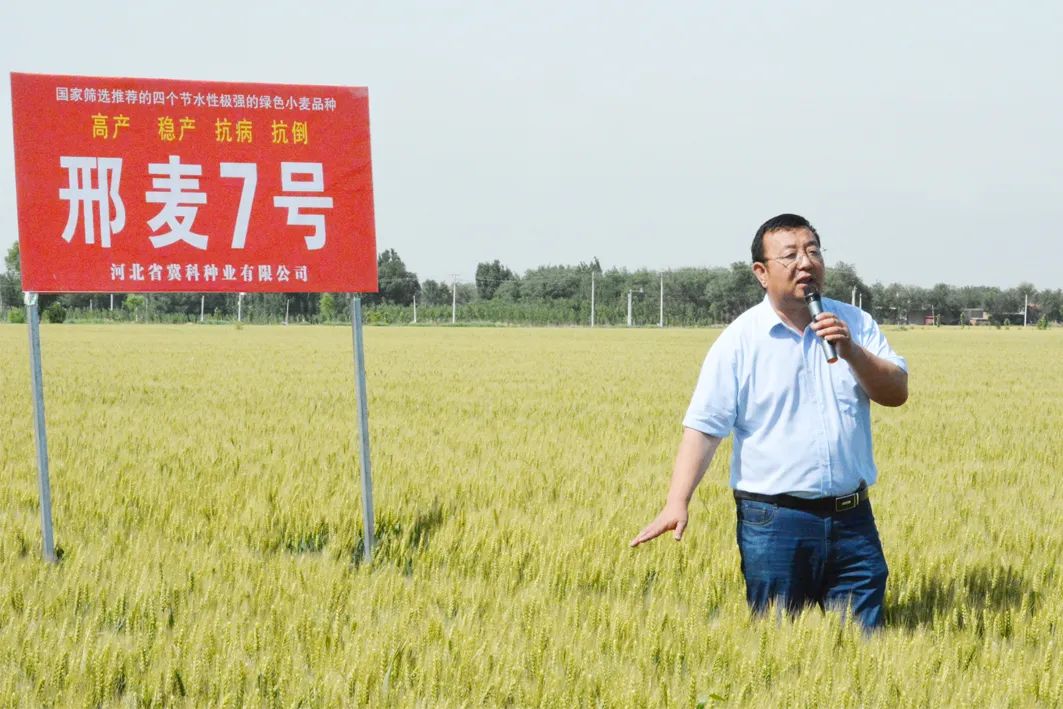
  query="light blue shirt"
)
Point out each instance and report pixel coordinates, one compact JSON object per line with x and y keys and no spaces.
{"x":801,"y":426}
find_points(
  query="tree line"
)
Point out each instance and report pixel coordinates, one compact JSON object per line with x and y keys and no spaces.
{"x":549,"y":295}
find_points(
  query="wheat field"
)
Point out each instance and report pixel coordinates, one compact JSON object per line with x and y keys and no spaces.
{"x":207,"y":507}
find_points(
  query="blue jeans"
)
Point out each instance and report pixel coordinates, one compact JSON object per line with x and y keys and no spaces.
{"x":799,"y":558}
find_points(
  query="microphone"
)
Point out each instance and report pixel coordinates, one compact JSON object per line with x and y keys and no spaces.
{"x":815,"y":306}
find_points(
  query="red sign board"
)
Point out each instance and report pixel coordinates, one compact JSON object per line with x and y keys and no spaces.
{"x":154,"y":185}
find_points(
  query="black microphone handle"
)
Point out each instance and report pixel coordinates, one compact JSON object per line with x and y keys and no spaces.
{"x":815,"y":307}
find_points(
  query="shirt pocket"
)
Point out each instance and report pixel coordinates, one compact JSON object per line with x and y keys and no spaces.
{"x":848,"y":392}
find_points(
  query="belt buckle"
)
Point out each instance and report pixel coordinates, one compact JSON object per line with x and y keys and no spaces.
{"x":847,"y":502}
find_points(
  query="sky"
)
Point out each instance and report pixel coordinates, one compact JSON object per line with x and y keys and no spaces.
{"x":923,"y":140}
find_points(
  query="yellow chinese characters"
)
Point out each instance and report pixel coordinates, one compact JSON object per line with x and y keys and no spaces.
{"x":166,"y":129}
{"x":186,"y":125}
{"x":300,"y":132}
{"x":223,"y":130}
{"x":280,"y":132}
{"x":170,"y":131}
{"x":226,"y":130}
{"x":100,"y":128}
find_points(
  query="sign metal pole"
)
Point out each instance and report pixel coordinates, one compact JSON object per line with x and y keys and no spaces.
{"x":38,"y":427}
{"x":363,"y":428}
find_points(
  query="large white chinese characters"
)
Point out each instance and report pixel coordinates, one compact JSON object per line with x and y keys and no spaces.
{"x":248,"y":172}
{"x":315,"y":184}
{"x":176,"y":184}
{"x":82,"y":196}
{"x":93,"y":189}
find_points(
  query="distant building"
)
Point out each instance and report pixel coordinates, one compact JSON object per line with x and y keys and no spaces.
{"x":974,"y":316}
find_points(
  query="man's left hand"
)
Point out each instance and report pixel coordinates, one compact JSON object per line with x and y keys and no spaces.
{"x":834,"y":330}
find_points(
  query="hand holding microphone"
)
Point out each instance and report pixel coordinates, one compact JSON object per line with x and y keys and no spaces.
{"x":815,"y":307}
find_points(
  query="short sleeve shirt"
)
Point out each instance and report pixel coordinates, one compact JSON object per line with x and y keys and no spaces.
{"x":801,"y":426}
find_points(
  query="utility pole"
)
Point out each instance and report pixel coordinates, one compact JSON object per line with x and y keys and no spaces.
{"x":861,"y":305}
{"x":453,"y":298}
{"x":629,"y":292}
{"x":1025,"y":307}
{"x":853,"y":301}
{"x":202,"y":303}
{"x":592,"y":298}
{"x":660,"y":322}
{"x":414,"y":308}
{"x":287,"y":304}
{"x":240,"y":307}
{"x":112,"y":301}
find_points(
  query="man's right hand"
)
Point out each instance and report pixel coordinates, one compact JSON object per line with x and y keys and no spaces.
{"x":695,"y":453}
{"x":673,"y":516}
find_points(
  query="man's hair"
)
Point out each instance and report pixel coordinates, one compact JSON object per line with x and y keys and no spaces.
{"x":783,"y":221}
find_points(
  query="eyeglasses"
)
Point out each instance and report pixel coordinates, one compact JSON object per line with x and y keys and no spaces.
{"x":814,"y":254}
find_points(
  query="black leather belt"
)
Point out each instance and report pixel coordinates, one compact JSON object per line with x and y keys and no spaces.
{"x":823,"y":505}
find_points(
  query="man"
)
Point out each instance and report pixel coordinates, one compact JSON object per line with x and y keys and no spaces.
{"x":802,"y":458}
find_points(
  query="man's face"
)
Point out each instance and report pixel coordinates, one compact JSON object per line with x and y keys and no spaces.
{"x":792,"y":262}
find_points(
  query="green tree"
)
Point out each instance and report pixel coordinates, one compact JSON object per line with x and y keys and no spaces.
{"x":55,"y":313}
{"x":466,"y":292}
{"x":11,"y":279}
{"x":12,"y":261}
{"x":133,"y":304}
{"x":941,"y":299}
{"x":893,"y":303}
{"x":555,"y":282}
{"x":732,"y":291}
{"x":840,"y":281}
{"x":397,"y":285}
{"x":1018,"y":297}
{"x":435,"y":293}
{"x":302,"y":306}
{"x":327,"y":307}
{"x":489,"y":276}
{"x":1051,"y":304}
{"x":508,"y":290}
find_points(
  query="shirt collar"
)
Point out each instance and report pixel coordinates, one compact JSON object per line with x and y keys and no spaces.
{"x":769,"y":318}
